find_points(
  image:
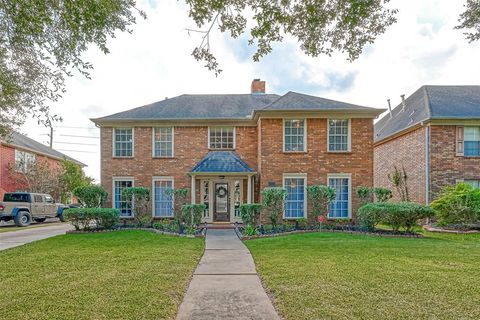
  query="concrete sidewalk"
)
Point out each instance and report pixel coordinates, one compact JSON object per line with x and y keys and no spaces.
{"x":225,"y":284}
{"x":17,"y":238}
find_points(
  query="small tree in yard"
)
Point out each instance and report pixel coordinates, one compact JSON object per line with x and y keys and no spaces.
{"x":192,"y":216}
{"x":139,"y":196}
{"x":320,"y":197}
{"x":250,"y":214}
{"x":90,"y":196}
{"x":365,"y":195}
{"x":399,"y":180}
{"x":72,"y":177}
{"x":382,"y":194}
{"x":273,"y":202}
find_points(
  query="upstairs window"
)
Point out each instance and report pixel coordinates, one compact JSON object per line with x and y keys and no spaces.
{"x":163,"y":142}
{"x":294,"y":135}
{"x":123,"y":142}
{"x":472,"y":141}
{"x":24,"y":160}
{"x":338,"y":135}
{"x":222,"y":138}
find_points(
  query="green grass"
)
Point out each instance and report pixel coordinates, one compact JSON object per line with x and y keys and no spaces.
{"x":116,"y":275}
{"x":343,"y":276}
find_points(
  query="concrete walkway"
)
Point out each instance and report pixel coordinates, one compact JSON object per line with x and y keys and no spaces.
{"x":225,"y":284}
{"x":17,"y":238}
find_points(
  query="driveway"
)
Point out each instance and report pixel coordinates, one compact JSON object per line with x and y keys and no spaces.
{"x":17,"y":238}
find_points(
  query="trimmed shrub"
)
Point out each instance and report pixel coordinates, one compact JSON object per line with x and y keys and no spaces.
{"x":140,"y":197}
{"x":382,"y":194}
{"x":394,"y":214}
{"x":320,"y":197}
{"x":91,"y":218}
{"x":250,"y":213}
{"x":192,"y":216}
{"x":459,"y":204}
{"x":273,"y":201}
{"x":90,"y":196}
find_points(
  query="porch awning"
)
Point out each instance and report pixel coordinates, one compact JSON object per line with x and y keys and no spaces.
{"x":222,"y":162}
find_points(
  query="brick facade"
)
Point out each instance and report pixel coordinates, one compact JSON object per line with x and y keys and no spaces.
{"x":407,"y":151}
{"x":445,"y":167}
{"x":261,"y":147}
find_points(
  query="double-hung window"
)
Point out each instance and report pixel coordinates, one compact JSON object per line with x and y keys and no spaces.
{"x":340,"y":207}
{"x":472,"y":141}
{"x":221,"y":138}
{"x":163,"y":142}
{"x":123,"y":142}
{"x":24,"y":160}
{"x":294,"y":135}
{"x":296,"y":201}
{"x":163,"y":197}
{"x":119,"y":201}
{"x":338,"y":135}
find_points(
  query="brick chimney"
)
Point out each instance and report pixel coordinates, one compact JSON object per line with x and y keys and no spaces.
{"x":258,"y":87}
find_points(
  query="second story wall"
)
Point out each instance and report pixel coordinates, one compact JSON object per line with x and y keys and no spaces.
{"x":190,"y":145}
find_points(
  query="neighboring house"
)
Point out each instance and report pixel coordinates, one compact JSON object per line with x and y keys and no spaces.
{"x":435,"y":135}
{"x":228,"y":147}
{"x":17,"y":153}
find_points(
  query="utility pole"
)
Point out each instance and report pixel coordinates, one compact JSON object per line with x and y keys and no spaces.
{"x":49,"y":123}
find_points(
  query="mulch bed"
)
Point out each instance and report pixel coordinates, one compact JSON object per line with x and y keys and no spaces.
{"x":198,"y":235}
{"x":379,"y":233}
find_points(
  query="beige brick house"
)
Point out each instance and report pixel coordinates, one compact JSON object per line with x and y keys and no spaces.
{"x":227,"y":147}
{"x":435,"y":135}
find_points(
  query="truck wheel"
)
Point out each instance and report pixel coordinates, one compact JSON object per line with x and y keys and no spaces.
{"x":23,"y":219}
{"x":40,"y":219}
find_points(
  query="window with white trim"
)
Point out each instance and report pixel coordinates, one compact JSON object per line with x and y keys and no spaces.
{"x":338,"y":131}
{"x":123,"y":142}
{"x":163,"y":198}
{"x":163,"y":142}
{"x":471,"y":141}
{"x":295,"y":202}
{"x":473,"y":182}
{"x":120,"y":202}
{"x":24,"y":160}
{"x":222,"y":138}
{"x":340,"y":207}
{"x":294,"y":135}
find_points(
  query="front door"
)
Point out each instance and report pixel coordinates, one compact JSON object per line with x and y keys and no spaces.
{"x":221,"y":207}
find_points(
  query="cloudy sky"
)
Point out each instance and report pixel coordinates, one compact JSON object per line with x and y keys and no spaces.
{"x":154,"y":62}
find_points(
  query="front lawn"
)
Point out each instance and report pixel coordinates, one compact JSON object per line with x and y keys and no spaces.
{"x":344,"y":276}
{"x":115,"y":275}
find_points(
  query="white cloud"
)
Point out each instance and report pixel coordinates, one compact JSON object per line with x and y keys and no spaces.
{"x":155,"y":62}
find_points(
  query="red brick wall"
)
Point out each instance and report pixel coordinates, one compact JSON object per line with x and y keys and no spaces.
{"x":317,"y":162}
{"x":408,"y":151}
{"x":446,"y":167}
{"x":7,"y":159}
{"x":190,"y":146}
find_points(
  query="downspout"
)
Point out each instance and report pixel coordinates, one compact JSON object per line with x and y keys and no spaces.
{"x":427,"y":164}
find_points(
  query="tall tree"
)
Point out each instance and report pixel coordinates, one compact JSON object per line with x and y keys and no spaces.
{"x":470,"y":20}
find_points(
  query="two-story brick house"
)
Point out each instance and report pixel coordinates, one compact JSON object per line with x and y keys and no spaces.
{"x":227,"y":147}
{"x":435,"y":135}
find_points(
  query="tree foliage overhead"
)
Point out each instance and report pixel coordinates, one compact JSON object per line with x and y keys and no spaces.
{"x":42,"y":41}
{"x":470,"y":20}
{"x":320,"y":26}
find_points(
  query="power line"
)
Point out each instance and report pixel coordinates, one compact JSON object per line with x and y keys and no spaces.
{"x":68,"y":127}
{"x":81,"y":144}
{"x":79,"y":151}
{"x":75,"y":136}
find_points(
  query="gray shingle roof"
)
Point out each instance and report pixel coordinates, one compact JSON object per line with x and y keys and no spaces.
{"x":228,"y":106}
{"x":199,"y":106}
{"x":293,"y":101}
{"x":222,"y":161}
{"x":19,"y":140}
{"x":431,"y":102}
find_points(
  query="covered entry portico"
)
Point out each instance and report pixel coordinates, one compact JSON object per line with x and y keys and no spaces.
{"x":225,"y":182}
